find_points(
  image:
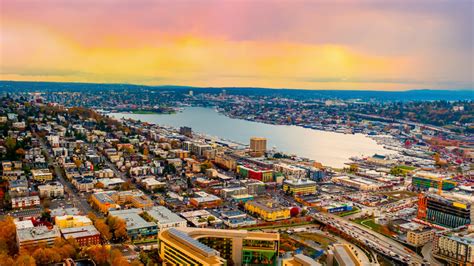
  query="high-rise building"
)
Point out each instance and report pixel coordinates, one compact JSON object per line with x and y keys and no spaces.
{"x":258,"y":146}
{"x":202,"y":246}
{"x":187,"y":131}
{"x":443,"y":211}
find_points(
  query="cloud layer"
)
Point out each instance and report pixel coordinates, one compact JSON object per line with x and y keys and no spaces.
{"x":378,"y":45}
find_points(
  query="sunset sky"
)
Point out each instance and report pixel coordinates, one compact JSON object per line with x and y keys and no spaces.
{"x":318,"y":44}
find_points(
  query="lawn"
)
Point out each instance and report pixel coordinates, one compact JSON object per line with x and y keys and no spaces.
{"x":370,"y":223}
{"x":353,"y":211}
{"x":406,"y":167}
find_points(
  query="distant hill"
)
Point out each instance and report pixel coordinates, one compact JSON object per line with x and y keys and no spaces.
{"x":410,"y":95}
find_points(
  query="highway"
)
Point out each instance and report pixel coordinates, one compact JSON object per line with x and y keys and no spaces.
{"x":371,"y":239}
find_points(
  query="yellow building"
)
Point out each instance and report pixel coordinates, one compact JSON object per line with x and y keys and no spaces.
{"x":299,"y":186}
{"x":299,"y":260}
{"x":103,"y":202}
{"x":202,"y":246}
{"x":258,"y":146}
{"x":420,"y":237}
{"x":68,"y":221}
{"x":342,"y":255}
{"x":42,"y":175}
{"x":225,"y":161}
{"x":267,"y":210}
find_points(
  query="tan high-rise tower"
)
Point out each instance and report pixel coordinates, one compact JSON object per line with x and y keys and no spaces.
{"x":258,"y":146}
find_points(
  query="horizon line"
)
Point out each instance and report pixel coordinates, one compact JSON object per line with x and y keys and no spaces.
{"x":230,"y":87}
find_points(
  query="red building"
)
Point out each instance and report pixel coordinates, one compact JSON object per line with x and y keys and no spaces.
{"x":84,"y":235}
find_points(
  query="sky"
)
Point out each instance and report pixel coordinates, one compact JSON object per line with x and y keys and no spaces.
{"x":302,"y":44}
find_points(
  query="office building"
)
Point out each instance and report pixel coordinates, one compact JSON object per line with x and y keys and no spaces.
{"x":31,"y":237}
{"x":199,"y":246}
{"x":267,"y":209}
{"x":68,"y":221}
{"x":137,"y":227}
{"x":444,"y":211}
{"x":186,"y":131}
{"x":299,"y":186}
{"x":84,"y":235}
{"x":425,"y":180}
{"x":42,"y":175}
{"x":165,"y":218}
{"x":457,"y":250}
{"x":420,"y":237}
{"x":342,"y":255}
{"x":51,"y":190}
{"x":203,"y":199}
{"x":258,"y":146}
{"x":290,"y":170}
{"x":257,"y":173}
{"x":299,"y":260}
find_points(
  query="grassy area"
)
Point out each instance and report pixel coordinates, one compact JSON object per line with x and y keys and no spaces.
{"x":406,"y":167}
{"x":353,"y":211}
{"x":322,"y":240}
{"x":370,"y":223}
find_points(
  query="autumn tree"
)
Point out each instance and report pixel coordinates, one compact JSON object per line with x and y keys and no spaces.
{"x":99,"y":254}
{"x":24,"y":260}
{"x":46,"y":256}
{"x":118,"y":227}
{"x":116,"y":258}
{"x":8,"y":236}
{"x":5,"y":259}
{"x":103,"y":228}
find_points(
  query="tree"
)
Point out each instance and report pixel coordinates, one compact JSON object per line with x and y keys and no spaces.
{"x":103,"y":228}
{"x":126,"y":185}
{"x":25,"y":260}
{"x":120,"y":229}
{"x":304,"y":212}
{"x":116,"y":258}
{"x":211,"y":219}
{"x":8,"y":236}
{"x":46,"y":256}
{"x":99,"y":254}
{"x":354,"y":168}
{"x":5,"y":259}
{"x":10,"y":144}
{"x":294,"y":211}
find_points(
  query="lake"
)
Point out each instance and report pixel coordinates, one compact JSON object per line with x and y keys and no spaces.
{"x":329,"y":148}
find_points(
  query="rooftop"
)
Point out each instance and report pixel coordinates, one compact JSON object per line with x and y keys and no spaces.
{"x":132,"y":218}
{"x":164,"y":216}
{"x":82,"y":231}
{"x":37,"y":233}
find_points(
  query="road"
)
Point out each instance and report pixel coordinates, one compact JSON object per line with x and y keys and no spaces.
{"x":428,"y":254}
{"x":78,"y":202}
{"x":374,"y":240}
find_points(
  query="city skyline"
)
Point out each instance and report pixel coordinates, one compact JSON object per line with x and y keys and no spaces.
{"x":363,"y":45}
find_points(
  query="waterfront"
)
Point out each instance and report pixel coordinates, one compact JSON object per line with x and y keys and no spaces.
{"x":329,"y":148}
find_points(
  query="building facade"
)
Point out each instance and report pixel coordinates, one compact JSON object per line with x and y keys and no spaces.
{"x":195,"y":246}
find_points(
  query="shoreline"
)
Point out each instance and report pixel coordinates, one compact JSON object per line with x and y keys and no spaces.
{"x":347,"y":161}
